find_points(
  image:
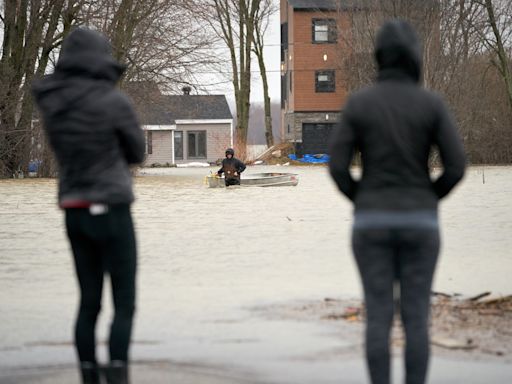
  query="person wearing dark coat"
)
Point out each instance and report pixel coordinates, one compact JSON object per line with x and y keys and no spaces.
{"x":395,"y":239}
{"x":93,"y":130}
{"x":232,"y":168}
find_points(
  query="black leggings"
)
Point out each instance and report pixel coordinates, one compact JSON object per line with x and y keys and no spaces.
{"x":103,"y":244}
{"x":407,"y":257}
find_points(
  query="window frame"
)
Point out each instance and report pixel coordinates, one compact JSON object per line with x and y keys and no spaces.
{"x":149,"y":142}
{"x":332,"y":30}
{"x":331,"y":84}
{"x":176,"y":157}
{"x":197,"y":133}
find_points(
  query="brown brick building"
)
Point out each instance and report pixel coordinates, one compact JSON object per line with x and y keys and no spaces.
{"x":312,"y":85}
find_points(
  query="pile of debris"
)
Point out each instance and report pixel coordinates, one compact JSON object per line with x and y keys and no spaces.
{"x":480,"y":324}
{"x":277,"y":154}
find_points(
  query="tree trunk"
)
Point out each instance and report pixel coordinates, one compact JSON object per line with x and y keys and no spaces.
{"x":503,"y":64}
{"x":29,"y":38}
{"x":258,"y":50}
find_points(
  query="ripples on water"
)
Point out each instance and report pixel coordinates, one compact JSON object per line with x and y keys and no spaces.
{"x":206,"y":255}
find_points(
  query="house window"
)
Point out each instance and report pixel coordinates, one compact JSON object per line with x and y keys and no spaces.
{"x":178,"y":145}
{"x":149,"y":142}
{"x":324,"y":31}
{"x":197,"y":144}
{"x":325,"y":81}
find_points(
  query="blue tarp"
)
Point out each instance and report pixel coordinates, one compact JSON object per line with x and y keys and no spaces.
{"x":318,"y":159}
{"x":34,"y":165}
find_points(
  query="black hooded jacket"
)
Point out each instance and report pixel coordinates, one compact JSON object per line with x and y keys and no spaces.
{"x":230,"y":166}
{"x":90,"y":124}
{"x":394,"y":124}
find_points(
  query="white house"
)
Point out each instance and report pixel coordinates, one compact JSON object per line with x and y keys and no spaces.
{"x":184,"y":128}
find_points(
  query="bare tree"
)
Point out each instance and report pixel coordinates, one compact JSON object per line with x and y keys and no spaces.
{"x":31,"y":31}
{"x":234,"y":22}
{"x":267,"y":9}
{"x":158,"y":40}
{"x":496,"y":34}
{"x":463,"y":59}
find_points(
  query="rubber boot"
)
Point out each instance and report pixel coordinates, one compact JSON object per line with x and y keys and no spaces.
{"x":117,"y":373}
{"x":90,"y":373}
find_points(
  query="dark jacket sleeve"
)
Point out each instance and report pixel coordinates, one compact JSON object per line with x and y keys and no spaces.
{"x":341,"y":150}
{"x":451,"y":151}
{"x":221,"y":170}
{"x":131,"y":136}
{"x":240,"y":166}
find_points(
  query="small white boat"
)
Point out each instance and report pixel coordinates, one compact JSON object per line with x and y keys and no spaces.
{"x":270,"y":179}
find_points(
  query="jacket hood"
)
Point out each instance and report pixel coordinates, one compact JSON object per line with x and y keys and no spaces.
{"x":85,"y":66}
{"x":398,"y":51}
{"x":230,"y":151}
{"x":88,"y":53}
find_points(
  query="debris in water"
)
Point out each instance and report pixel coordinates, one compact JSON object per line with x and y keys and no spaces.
{"x":452,"y":343}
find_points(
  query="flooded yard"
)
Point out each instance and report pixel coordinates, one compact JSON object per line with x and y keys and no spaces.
{"x":208,"y":257}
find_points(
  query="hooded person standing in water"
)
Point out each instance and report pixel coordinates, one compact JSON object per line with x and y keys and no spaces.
{"x":93,"y":130}
{"x":232,"y":168}
{"x":395,"y":239}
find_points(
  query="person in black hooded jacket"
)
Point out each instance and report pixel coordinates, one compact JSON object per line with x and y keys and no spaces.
{"x":395,"y":239}
{"x":93,"y":130}
{"x":232,"y":168}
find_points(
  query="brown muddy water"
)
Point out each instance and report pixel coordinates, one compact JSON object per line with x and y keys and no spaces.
{"x":208,"y":257}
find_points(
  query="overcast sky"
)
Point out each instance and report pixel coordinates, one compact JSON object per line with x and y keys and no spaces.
{"x":272,"y":61}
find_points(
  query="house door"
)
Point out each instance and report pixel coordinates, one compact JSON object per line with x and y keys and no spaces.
{"x":315,"y":137}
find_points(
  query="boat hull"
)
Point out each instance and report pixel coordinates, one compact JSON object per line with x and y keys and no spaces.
{"x":271,"y":179}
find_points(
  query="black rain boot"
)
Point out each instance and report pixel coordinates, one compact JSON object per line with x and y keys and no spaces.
{"x":117,"y":372}
{"x":90,"y":373}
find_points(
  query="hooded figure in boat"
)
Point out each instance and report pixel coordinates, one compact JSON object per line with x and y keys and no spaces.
{"x":232,"y":168}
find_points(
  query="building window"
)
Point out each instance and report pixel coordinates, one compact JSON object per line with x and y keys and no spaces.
{"x":324,"y":31}
{"x":197,"y":144}
{"x":149,"y":142}
{"x":178,"y":145}
{"x":284,"y":91}
{"x":284,"y":41}
{"x":325,"y":81}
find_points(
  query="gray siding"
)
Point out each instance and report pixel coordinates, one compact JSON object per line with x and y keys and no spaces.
{"x":218,"y":138}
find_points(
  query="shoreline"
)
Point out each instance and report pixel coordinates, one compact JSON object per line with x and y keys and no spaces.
{"x":473,"y":328}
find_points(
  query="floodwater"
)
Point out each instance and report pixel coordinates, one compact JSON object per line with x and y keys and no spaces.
{"x":207,"y":257}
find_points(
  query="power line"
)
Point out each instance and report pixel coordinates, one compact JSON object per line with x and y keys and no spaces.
{"x":267,"y":71}
{"x":265,"y":45}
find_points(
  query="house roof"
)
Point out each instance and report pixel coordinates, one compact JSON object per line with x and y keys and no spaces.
{"x":314,"y":4}
{"x":326,"y":5}
{"x":166,"y":109}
